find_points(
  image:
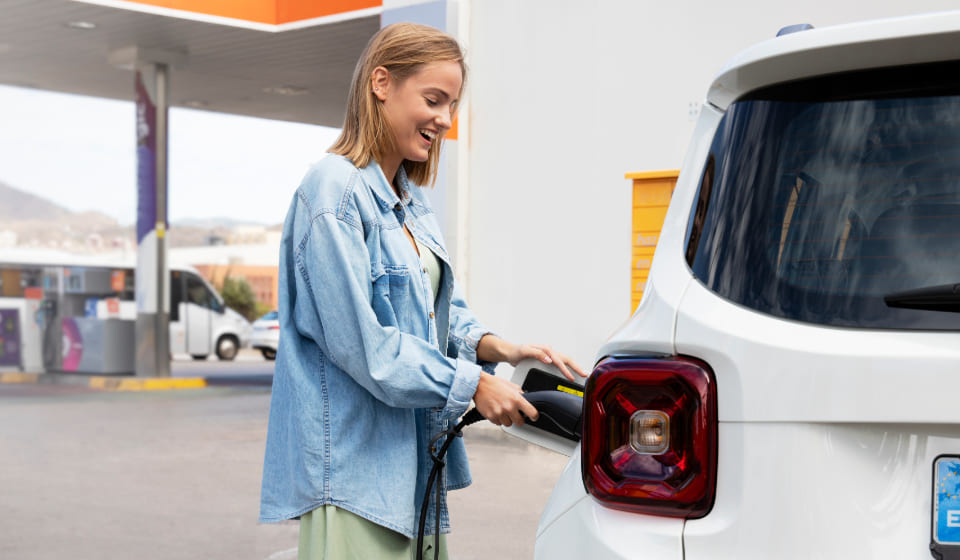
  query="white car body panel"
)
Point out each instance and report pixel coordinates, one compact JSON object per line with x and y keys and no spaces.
{"x":828,"y":50}
{"x":574,"y":526}
{"x":231,"y":323}
{"x":775,"y":370}
{"x":821,"y":490}
{"x":651,"y":328}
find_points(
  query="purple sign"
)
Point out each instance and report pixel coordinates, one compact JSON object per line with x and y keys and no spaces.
{"x":10,"y":338}
{"x":146,"y":161}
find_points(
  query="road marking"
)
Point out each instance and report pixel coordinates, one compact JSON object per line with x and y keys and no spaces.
{"x":107,"y":383}
{"x":18,"y":377}
{"x":154,"y":384}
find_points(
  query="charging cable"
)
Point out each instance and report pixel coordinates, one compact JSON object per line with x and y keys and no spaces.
{"x":436,"y":474}
{"x":558,"y":413}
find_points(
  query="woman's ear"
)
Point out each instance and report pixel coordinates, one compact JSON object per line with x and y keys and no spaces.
{"x":380,"y":82}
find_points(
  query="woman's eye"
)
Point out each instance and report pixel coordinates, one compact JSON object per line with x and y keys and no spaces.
{"x":431,"y":102}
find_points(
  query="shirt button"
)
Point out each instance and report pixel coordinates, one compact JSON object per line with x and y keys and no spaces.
{"x":431,"y":314}
{"x":397,"y":207}
{"x":424,"y":269}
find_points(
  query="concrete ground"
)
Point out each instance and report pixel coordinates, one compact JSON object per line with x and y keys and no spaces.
{"x":176,"y":475}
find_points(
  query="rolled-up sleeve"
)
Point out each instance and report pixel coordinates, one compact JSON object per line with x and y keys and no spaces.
{"x":335,"y":277}
{"x":467,"y":331}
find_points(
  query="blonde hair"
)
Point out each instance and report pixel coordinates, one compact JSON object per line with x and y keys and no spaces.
{"x":401,"y":48}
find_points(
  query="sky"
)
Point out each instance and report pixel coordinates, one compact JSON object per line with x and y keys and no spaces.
{"x":80,"y":152}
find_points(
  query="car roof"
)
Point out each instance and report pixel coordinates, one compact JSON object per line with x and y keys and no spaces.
{"x":872,"y":44}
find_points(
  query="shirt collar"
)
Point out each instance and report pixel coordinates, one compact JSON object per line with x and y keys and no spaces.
{"x":373,"y":176}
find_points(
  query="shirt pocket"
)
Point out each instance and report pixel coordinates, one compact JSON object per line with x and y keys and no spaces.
{"x":392,"y":300}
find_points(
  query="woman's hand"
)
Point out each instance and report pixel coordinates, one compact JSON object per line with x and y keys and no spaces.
{"x":501,"y":402}
{"x":547,"y":355}
{"x":494,"y":349}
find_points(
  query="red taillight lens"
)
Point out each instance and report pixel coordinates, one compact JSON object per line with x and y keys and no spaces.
{"x":273,"y":328}
{"x":650,"y":435}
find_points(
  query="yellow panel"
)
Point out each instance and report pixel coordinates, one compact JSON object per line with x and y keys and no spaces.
{"x":665,"y":173}
{"x":644,"y":252}
{"x":642,"y":262}
{"x":645,"y":239}
{"x":656,"y":193}
{"x":649,"y":218}
{"x":637,"y":286}
{"x":652,"y":191}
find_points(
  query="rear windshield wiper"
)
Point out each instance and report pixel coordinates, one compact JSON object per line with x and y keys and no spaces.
{"x":932,"y":298}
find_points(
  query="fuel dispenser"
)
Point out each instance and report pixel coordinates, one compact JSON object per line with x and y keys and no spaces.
{"x":76,"y":338}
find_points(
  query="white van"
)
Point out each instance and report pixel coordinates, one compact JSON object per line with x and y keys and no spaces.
{"x":200,"y":323}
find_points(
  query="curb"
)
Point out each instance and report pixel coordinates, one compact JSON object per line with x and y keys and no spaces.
{"x":113,"y":383}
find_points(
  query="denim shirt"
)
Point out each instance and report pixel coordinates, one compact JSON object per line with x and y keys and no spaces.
{"x":369,"y":368}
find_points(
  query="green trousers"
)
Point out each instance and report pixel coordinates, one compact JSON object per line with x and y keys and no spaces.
{"x":331,"y":533}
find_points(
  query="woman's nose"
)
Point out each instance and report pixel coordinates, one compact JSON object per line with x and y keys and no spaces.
{"x":444,"y":120}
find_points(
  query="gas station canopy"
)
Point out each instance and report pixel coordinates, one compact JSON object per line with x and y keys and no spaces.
{"x":277,"y":59}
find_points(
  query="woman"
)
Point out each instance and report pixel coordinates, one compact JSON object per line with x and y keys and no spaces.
{"x":378,"y":351}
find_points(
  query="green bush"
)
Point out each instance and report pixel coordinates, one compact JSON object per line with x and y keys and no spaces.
{"x":238,"y":296}
{"x":263,"y":309}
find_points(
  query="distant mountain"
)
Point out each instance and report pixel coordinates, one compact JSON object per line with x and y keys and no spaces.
{"x":39,"y":222}
{"x":19,"y":205}
{"x":22,"y":207}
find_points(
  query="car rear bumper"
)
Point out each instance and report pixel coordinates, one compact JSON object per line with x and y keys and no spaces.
{"x":590,"y":530}
{"x":264,"y":342}
{"x":575,"y":526}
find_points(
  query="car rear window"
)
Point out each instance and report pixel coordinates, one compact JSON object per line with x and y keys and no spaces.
{"x":822,"y":197}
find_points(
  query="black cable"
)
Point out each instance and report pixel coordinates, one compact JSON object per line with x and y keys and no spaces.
{"x":471,"y":417}
{"x":569,"y":412}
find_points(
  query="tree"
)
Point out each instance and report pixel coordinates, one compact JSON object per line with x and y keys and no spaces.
{"x":238,"y":295}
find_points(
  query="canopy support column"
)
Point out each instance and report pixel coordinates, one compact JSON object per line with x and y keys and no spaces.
{"x":153,"y":299}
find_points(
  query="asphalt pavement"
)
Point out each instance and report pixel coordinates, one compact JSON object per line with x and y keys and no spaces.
{"x":93,"y":474}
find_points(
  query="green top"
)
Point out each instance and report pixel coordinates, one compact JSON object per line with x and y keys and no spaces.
{"x":432,"y":264}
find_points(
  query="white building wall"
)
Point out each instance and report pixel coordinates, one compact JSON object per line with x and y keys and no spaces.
{"x":564,"y":98}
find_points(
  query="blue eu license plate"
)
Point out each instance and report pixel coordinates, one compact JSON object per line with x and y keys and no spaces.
{"x":946,"y":501}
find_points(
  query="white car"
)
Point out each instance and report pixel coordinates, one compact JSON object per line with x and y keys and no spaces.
{"x":789,"y":386}
{"x":266,"y":335}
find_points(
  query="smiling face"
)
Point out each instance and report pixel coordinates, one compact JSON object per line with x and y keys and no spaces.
{"x":419,"y":109}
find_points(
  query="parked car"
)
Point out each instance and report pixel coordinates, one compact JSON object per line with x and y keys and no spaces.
{"x":788,"y":386}
{"x":266,"y":335}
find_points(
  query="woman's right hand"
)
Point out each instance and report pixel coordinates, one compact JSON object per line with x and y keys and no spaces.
{"x":501,"y":402}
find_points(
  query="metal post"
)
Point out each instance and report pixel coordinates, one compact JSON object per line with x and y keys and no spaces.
{"x":152,"y":326}
{"x":162,"y":331}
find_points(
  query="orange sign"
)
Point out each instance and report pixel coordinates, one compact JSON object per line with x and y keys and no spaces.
{"x":118,"y":280}
{"x":33,"y":292}
{"x":274,"y":12}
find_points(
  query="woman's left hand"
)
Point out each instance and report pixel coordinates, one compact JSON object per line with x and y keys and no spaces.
{"x":494,"y":349}
{"x":547,"y":355}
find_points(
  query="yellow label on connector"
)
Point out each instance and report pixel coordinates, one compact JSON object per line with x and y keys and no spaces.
{"x":565,"y":389}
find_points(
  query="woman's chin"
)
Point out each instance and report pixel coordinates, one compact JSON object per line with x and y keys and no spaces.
{"x":419,"y":156}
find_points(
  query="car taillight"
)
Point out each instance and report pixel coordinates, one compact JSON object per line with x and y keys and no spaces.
{"x":650,"y":436}
{"x":273,"y":328}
